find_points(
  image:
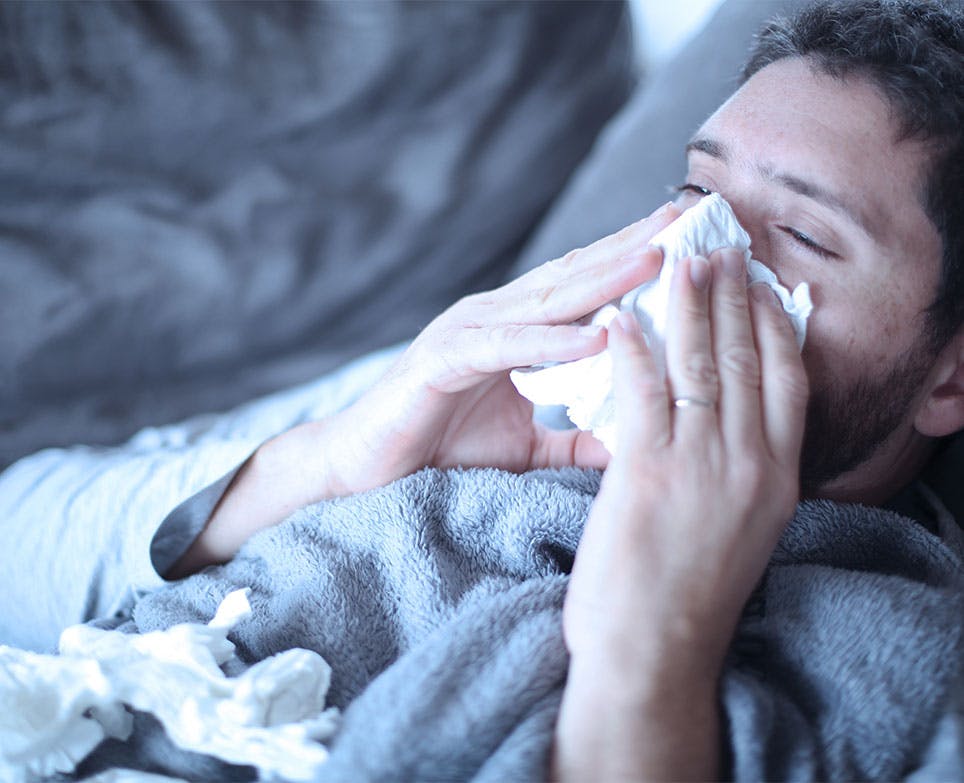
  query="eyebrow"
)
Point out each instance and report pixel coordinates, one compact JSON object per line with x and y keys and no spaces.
{"x":798,"y":185}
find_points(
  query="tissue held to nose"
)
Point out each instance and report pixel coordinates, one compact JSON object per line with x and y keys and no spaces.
{"x":584,"y":386}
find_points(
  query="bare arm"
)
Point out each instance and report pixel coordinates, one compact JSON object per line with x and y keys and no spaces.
{"x":278,"y":479}
{"x":617,"y":725}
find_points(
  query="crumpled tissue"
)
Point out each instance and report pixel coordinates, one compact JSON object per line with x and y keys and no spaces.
{"x":58,"y":708}
{"x":585,"y":385}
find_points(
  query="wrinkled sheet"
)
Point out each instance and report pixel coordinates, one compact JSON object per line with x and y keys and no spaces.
{"x":204,"y":202}
{"x":436,"y":601}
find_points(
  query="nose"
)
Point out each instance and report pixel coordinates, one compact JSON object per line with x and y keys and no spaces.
{"x":753,"y":220}
{"x":748,"y":214}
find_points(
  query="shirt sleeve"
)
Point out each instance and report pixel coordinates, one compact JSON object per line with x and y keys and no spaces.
{"x":87,"y":530}
{"x":185,"y":523}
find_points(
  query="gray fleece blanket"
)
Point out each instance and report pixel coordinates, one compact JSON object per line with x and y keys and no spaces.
{"x":437,"y":601}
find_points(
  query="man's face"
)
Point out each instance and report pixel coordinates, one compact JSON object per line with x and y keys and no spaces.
{"x":810,"y":165}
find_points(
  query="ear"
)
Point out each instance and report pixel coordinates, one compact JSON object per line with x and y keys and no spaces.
{"x":942,"y":410}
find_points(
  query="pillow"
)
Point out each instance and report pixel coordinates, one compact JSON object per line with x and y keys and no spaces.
{"x":640,"y":156}
{"x":203,"y":202}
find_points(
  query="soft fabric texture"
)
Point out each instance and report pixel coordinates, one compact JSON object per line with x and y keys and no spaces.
{"x":436,"y":600}
{"x":202,"y":202}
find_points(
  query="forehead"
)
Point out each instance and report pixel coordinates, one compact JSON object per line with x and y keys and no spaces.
{"x":840,"y":133}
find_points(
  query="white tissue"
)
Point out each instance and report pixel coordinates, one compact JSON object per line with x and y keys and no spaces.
{"x":57,"y":709}
{"x":585,"y":385}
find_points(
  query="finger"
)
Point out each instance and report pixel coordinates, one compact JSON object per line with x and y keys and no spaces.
{"x":583,"y":280}
{"x":462,"y":354}
{"x":641,"y":399}
{"x":690,"y":367}
{"x":734,"y":348}
{"x":565,"y":448}
{"x":784,"y":383}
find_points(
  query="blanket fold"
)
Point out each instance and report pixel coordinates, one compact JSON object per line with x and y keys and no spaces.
{"x":437,"y":600}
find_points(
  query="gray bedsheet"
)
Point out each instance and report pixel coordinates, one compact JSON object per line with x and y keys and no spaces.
{"x":204,"y":201}
{"x":437,"y":599}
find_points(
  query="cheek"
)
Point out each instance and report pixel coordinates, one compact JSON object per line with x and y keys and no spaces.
{"x":851,"y":332}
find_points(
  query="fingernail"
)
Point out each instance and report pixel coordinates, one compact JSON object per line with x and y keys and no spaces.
{"x":734,"y":264}
{"x":699,"y":272}
{"x":765,"y":295}
{"x":590,"y":331}
{"x":624,"y":322}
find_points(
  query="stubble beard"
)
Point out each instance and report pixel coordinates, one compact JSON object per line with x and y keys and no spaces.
{"x":846,"y":424}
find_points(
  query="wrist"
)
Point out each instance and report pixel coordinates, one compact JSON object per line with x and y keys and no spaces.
{"x":294,"y":467}
{"x":672,"y":645}
{"x":281,"y":476}
{"x":661,"y":726}
{"x":645,"y":680}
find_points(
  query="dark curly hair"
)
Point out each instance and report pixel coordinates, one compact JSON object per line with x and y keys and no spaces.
{"x":913,"y":51}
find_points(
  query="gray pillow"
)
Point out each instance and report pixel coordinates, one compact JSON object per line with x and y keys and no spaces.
{"x":640,"y":155}
{"x":202,"y":202}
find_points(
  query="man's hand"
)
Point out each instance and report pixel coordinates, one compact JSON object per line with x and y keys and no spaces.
{"x":448,"y":401}
{"x":691,"y":506}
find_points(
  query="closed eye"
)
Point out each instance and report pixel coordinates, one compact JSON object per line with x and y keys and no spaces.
{"x":799,"y":237}
{"x":802,"y":239}
{"x":690,"y":187}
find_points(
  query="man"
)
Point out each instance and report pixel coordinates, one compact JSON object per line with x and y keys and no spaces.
{"x":843,"y":157}
{"x":843,"y":180}
{"x":798,"y":152}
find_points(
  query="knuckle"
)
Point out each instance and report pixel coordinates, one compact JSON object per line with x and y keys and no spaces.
{"x":742,"y":362}
{"x":650,"y":390}
{"x":693,"y":309}
{"x":700,"y":369}
{"x":625,"y":234}
{"x":509,"y":333}
{"x":467,"y":310}
{"x":450,"y":369}
{"x":539,"y":298}
{"x":776,"y":319}
{"x":484,"y":298}
{"x":795,"y":383}
{"x":733,"y":303}
{"x":572,"y":255}
{"x":566,"y":262}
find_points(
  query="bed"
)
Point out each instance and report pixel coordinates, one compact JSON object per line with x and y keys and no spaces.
{"x":224,"y":219}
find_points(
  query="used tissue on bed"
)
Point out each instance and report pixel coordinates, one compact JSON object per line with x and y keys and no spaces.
{"x":58,"y":708}
{"x":585,"y":385}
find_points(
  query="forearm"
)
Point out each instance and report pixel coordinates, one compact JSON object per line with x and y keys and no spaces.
{"x":281,"y":476}
{"x":629,"y":726}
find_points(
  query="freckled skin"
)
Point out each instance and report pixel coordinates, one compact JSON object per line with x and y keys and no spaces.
{"x":869,"y":302}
